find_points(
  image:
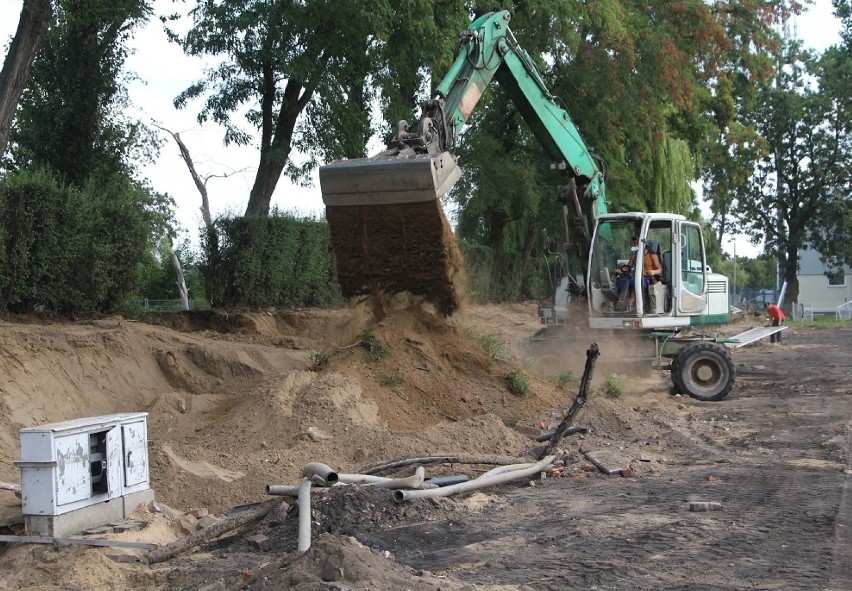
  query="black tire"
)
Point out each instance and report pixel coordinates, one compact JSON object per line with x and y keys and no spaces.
{"x":704,"y":371}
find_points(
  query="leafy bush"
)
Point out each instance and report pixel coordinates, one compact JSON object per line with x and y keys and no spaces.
{"x":390,"y":379}
{"x":490,"y":343}
{"x":319,"y":359}
{"x":612,"y":387}
{"x":377,"y":350}
{"x":74,"y":250}
{"x":519,"y":383}
{"x":280,"y":261}
{"x":564,"y":379}
{"x":513,"y":422}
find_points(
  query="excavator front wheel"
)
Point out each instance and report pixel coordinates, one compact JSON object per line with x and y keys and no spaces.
{"x":704,"y":371}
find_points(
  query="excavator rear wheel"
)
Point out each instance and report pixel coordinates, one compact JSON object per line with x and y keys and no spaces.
{"x":704,"y":371}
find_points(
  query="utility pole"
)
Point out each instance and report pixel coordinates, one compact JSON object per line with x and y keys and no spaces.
{"x":736,"y":301}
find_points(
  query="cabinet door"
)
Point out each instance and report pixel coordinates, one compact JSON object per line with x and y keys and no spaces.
{"x":114,"y":476}
{"x":73,"y":479}
{"x":135,"y":438}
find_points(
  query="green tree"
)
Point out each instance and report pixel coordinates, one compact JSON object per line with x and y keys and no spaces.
{"x":71,"y":112}
{"x":313,"y":69}
{"x":32,"y":25}
{"x":646,"y":92}
{"x":76,"y":223}
{"x":735,"y":144}
{"x":761,"y":272}
{"x":834,"y":236}
{"x":802,"y":179}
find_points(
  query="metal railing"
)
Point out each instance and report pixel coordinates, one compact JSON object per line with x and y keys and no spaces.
{"x":844,"y":311}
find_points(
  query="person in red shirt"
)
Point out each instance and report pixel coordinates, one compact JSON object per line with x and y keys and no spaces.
{"x":776,"y":315}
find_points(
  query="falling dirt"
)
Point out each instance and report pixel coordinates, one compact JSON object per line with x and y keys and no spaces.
{"x":239,"y":401}
{"x":386,"y":250}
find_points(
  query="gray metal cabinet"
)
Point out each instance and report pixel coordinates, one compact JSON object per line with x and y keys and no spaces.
{"x":73,"y":464}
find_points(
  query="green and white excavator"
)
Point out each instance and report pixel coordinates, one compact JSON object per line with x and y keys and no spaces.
{"x":389,"y":233}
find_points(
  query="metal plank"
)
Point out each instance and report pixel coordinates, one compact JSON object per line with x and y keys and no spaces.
{"x":751,"y":336}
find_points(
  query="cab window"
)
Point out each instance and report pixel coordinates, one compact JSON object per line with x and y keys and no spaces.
{"x":692,"y":259}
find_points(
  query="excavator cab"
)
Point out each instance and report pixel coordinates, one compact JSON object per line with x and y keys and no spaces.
{"x":686,"y":292}
{"x":619,"y":286}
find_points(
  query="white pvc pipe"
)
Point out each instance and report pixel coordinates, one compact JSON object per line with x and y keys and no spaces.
{"x":304,"y":515}
{"x":282,"y":490}
{"x":414,"y":481}
{"x":344,"y":478}
{"x":407,"y":495}
{"x":319,"y":470}
{"x":504,"y":469}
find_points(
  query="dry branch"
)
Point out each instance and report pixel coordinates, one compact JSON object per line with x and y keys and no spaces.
{"x":214,"y":531}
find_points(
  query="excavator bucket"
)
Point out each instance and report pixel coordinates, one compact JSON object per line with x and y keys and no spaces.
{"x":388,"y":230}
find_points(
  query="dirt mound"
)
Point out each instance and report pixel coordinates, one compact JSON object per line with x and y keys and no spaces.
{"x":233,"y":411}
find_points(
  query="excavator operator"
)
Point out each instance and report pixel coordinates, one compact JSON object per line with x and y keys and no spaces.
{"x":652,"y":270}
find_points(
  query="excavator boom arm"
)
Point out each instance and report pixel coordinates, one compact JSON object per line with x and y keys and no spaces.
{"x":488,"y":50}
{"x":387,"y":229}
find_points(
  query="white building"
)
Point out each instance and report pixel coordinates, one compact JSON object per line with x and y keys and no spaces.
{"x":820,"y":288}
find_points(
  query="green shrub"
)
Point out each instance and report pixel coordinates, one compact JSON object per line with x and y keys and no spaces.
{"x":75,"y":250}
{"x":564,"y":379}
{"x":612,"y":387}
{"x":377,"y":350}
{"x":280,"y":260}
{"x":519,"y":383}
{"x":491,"y":344}
{"x":390,"y":379}
{"x":513,"y":422}
{"x":319,"y":359}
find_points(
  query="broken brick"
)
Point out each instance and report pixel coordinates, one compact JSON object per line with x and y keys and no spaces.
{"x":259,"y":542}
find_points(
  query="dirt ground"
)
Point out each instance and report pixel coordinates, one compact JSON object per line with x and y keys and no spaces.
{"x":240,"y":401}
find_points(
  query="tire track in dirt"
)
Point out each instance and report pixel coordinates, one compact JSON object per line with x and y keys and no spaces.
{"x":781,"y":475}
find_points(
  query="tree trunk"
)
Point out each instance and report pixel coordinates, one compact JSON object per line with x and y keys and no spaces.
{"x":791,"y":270}
{"x":196,"y":178}
{"x":275,"y":144}
{"x":181,"y":283}
{"x":268,"y":173}
{"x":32,"y":25}
{"x":526,"y":259}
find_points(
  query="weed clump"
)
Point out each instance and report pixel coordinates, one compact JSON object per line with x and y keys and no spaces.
{"x":519,"y":383}
{"x":612,"y":387}
{"x":377,"y":350}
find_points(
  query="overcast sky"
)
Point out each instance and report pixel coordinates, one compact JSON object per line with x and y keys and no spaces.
{"x":164,"y":72}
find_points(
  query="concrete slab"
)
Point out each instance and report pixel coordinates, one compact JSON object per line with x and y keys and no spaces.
{"x":608,"y":461}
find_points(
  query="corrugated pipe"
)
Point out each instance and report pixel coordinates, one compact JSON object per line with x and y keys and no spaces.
{"x":414,"y":481}
{"x":477,"y":483}
{"x":304,"y":515}
{"x":316,"y":470}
